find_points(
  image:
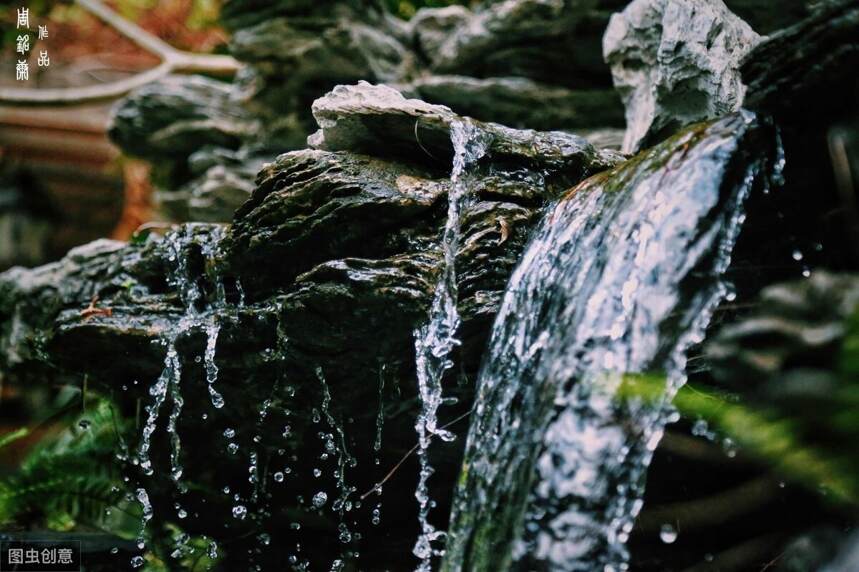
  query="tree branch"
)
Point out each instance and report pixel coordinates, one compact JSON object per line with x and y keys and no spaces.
{"x":172,"y":61}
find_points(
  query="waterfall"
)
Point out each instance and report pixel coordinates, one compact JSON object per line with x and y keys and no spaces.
{"x":435,"y":340}
{"x":619,"y":280}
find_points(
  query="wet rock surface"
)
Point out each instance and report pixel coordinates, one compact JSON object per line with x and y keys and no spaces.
{"x":315,"y":289}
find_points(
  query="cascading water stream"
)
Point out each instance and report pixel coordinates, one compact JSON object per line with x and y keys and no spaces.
{"x":435,"y":340}
{"x":619,"y":280}
{"x":169,"y":382}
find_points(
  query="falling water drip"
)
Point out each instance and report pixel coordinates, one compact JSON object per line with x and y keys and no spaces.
{"x":212,"y":330}
{"x":143,"y":499}
{"x":241,"y":292}
{"x":435,"y":340}
{"x":380,"y":416}
{"x":172,"y":369}
{"x":178,"y":402}
{"x":344,"y":459}
{"x":619,"y":281}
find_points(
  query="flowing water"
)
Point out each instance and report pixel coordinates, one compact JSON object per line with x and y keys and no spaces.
{"x":619,"y":280}
{"x":168,"y":383}
{"x":435,"y":340}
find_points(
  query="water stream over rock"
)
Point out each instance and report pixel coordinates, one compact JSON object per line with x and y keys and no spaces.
{"x":435,"y":340}
{"x":619,"y":281}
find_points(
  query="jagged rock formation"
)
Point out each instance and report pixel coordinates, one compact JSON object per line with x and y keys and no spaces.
{"x":675,"y":62}
{"x":331,"y":263}
{"x":527,"y":64}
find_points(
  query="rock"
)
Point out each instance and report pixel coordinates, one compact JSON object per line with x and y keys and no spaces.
{"x":223,"y":181}
{"x":311,"y":206}
{"x":241,"y":14}
{"x":797,"y":326}
{"x":26,"y":217}
{"x":763,"y":19}
{"x":368,"y":118}
{"x":432,"y":26}
{"x":806,"y":73}
{"x":520,"y":102}
{"x":324,"y":50}
{"x":550,"y":41}
{"x":171,"y":118}
{"x":675,"y":62}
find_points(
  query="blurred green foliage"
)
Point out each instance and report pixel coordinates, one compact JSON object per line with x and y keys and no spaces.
{"x":71,"y":481}
{"x":813,"y":440}
{"x":71,"y":478}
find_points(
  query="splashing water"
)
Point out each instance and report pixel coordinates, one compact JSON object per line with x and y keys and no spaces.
{"x":435,"y":340}
{"x":620,"y":279}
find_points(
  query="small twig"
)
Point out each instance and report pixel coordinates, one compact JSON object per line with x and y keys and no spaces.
{"x":418,"y":139}
{"x":504,"y":228}
{"x":172,"y":61}
{"x":844,"y":184}
{"x":411,"y":451}
{"x":91,"y":310}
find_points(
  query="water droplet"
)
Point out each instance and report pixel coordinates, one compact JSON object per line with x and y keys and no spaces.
{"x":84,"y":424}
{"x":278,"y":477}
{"x":345,"y":535}
{"x":319,"y":499}
{"x":797,"y":255}
{"x":240,"y":511}
{"x":114,"y":550}
{"x":229,"y":433}
{"x":137,"y":562}
{"x":232,"y":448}
{"x":667,"y":534}
{"x":730,"y":447}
